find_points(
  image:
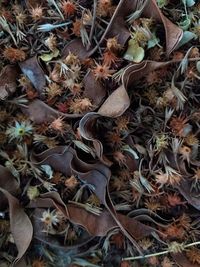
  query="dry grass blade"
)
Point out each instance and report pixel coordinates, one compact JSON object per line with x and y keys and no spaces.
{"x":5,"y":26}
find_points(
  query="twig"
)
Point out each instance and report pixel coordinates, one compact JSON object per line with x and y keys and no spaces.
{"x":57,"y":8}
{"x":49,"y":27}
{"x":99,"y":48}
{"x":93,"y":23}
{"x":160,"y":253}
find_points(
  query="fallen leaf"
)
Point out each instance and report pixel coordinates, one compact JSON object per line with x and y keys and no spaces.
{"x":95,"y":225}
{"x":34,"y":72}
{"x":8,"y":183}
{"x":86,"y":130}
{"x":77,"y":48}
{"x":187,"y":37}
{"x":50,"y":56}
{"x":173,"y":34}
{"x":97,"y":175}
{"x":134,"y":72}
{"x":182,"y":260}
{"x":116,"y":104}
{"x":118,"y":27}
{"x":93,"y":89}
{"x":191,"y":197}
{"x":21,"y":227}
{"x":190,"y":3}
{"x":40,"y":112}
{"x":134,"y":52}
{"x":53,"y":241}
{"x":8,"y":78}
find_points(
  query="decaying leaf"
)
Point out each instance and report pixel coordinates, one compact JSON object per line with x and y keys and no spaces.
{"x":51,"y":240}
{"x":95,"y":225}
{"x":117,"y":27}
{"x":173,"y":33}
{"x":40,"y":112}
{"x":182,"y":261}
{"x":116,"y":104}
{"x":111,"y":160}
{"x":34,"y":72}
{"x":20,"y":225}
{"x":77,"y":48}
{"x":8,"y":78}
{"x":93,"y":89}
{"x":135,"y":72}
{"x":85,"y":128}
{"x":191,"y":197}
{"x":96,"y":175}
{"x":8,"y":183}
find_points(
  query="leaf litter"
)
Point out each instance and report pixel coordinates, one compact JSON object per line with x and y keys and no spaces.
{"x":99,"y":133}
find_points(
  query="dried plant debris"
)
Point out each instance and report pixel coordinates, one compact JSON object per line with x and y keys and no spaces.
{"x":99,"y":133}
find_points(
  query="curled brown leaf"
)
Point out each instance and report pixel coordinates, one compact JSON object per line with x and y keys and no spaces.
{"x":21,"y":227}
{"x":116,"y":104}
{"x":9,"y":183}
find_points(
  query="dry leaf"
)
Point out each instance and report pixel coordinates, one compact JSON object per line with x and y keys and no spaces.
{"x":134,"y":72}
{"x":97,"y":175}
{"x":173,"y":34}
{"x":191,"y":197}
{"x":116,"y":104}
{"x":182,"y":261}
{"x":34,"y":72}
{"x":21,"y":227}
{"x":93,"y":89}
{"x":8,"y":183}
{"x":118,"y":27}
{"x":95,"y":225}
{"x":40,"y":112}
{"x":8,"y":78}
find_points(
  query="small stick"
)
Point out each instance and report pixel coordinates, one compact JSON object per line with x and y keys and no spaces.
{"x":159,"y":253}
{"x":93,"y":23}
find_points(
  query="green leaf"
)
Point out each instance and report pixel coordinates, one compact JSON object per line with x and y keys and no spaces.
{"x":187,"y":36}
{"x":134,"y":52}
{"x":50,"y":56}
{"x":185,"y":23}
{"x":190,"y":3}
{"x":162,"y":3}
{"x":153,"y":41}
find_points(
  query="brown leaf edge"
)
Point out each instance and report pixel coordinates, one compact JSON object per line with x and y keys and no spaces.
{"x":117,"y":103}
{"x":173,"y":34}
{"x":117,"y":28}
{"x":96,"y":174}
{"x":182,"y":261}
{"x":40,"y":112}
{"x":95,"y":225}
{"x":8,"y":183}
{"x":21,"y":227}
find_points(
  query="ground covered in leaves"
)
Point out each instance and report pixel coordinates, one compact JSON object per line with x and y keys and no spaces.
{"x":99,"y":133}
